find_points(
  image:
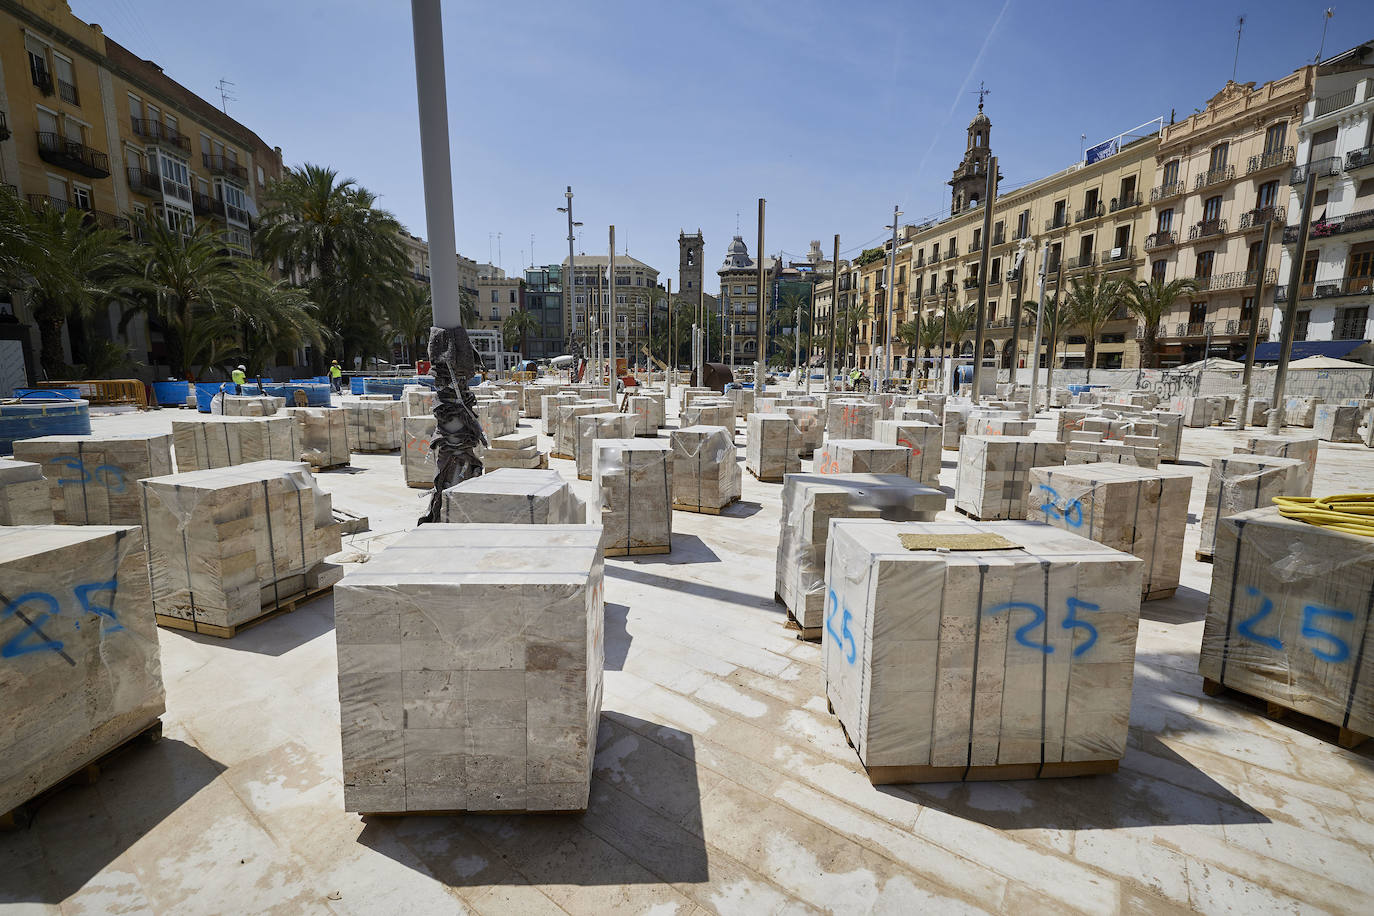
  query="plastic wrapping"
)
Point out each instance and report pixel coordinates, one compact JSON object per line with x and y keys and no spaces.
{"x":1288,"y":617}
{"x":850,"y":418}
{"x":418,"y":401}
{"x":864,"y":456}
{"x":955,"y":421}
{"x":922,"y":442}
{"x":93,"y":480}
{"x":565,"y":436}
{"x":704,"y":412}
{"x":225,"y":544}
{"x":417,"y":458}
{"x":954,"y":658}
{"x":373,"y":426}
{"x":594,"y":426}
{"x":706,"y":472}
{"x":633,"y":484}
{"x":514,"y":450}
{"x":548,"y":411}
{"x":532,"y":398}
{"x":323,"y":435}
{"x":80,"y":669}
{"x":810,"y":501}
{"x":470,"y":670}
{"x":1238,"y":483}
{"x":214,"y":441}
{"x":1143,"y":512}
{"x":810,"y":423}
{"x":999,"y":426}
{"x":641,"y":409}
{"x":993,"y":479}
{"x":511,"y":496}
{"x":235,"y":405}
{"x":498,"y":416}
{"x":1337,"y":423}
{"x":43,"y":417}
{"x":691,"y":393}
{"x":772,"y":446}
{"x":1300,"y":411}
{"x":24,"y":494}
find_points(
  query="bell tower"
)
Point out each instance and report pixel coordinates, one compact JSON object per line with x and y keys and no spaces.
{"x":689,"y":267}
{"x":971,"y":177}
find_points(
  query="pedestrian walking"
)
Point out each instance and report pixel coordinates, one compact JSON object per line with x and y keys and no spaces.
{"x":239,"y":377}
{"x":335,"y":377}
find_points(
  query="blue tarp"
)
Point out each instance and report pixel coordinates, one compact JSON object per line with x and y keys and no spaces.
{"x":1268,"y":351}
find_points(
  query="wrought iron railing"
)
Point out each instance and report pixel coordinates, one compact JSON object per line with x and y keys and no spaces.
{"x":1217,"y":175}
{"x":1156,"y":240}
{"x":1207,"y":228}
{"x":1321,"y":168}
{"x":1256,"y":218}
{"x":1167,"y":190}
{"x":1092,"y":212}
{"x":72,"y":155}
{"x":1270,"y":159}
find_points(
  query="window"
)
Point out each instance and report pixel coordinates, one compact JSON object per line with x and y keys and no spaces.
{"x":262,"y":180}
{"x":512,"y":297}
{"x":580,"y":300}
{"x":1360,"y":262}
{"x":752,"y":289}
{"x":737,"y":290}
{"x":1300,"y":321}
{"x":1211,"y":210}
{"x":1166,"y":220}
{"x":1350,"y":323}
{"x":953,"y":247}
{"x":1122,"y":239}
{"x":1197,"y":313}
{"x":1171,"y":172}
{"x":1126,"y":197}
{"x":66,"y":79}
{"x":1274,"y":137}
{"x":1218,"y":158}
{"x":977,"y":240}
{"x":1309,"y":268}
{"x":178,"y":219}
{"x":493,"y":296}
{"x":1205,"y":260}
{"x":81,"y":196}
{"x":935,"y":252}
{"x":620,"y":300}
{"x":1157,"y":270}
{"x":1324,"y":143}
{"x":1247,"y":311}
{"x":135,"y":113}
{"x":57,"y":189}
{"x":176,"y":177}
{"x":38,"y":64}
{"x":901,"y":273}
{"x":995,"y":271}
{"x":1060,"y":208}
{"x":1090,"y":200}
{"x":1023,"y":224}
{"x":1268,"y":195}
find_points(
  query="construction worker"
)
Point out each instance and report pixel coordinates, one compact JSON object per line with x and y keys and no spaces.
{"x":335,"y":377}
{"x":239,"y":377}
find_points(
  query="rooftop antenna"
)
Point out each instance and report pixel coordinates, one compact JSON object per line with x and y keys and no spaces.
{"x":1240,"y":27}
{"x":531,"y":249}
{"x":500,"y":262}
{"x":491,"y":247}
{"x":981,"y":91}
{"x":226,"y":95}
{"x":1330,"y":11}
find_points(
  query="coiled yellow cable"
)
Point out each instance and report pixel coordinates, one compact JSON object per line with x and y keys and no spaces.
{"x":1352,"y":513}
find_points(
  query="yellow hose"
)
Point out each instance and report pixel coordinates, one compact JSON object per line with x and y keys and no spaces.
{"x":1352,"y":513}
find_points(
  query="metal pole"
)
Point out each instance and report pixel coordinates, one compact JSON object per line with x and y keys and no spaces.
{"x":572,"y":272}
{"x":761,"y":355}
{"x":889,"y":296}
{"x":610,"y":323}
{"x":1039,"y":325}
{"x":989,"y":197}
{"x":1054,"y":326}
{"x":1254,"y":325}
{"x":457,"y":430}
{"x":705,"y":329}
{"x":1290,"y":309}
{"x":944,"y":336}
{"x":1022,"y":251}
{"x":672,"y":354}
{"x":834,"y":306}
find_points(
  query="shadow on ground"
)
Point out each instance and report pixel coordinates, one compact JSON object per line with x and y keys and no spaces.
{"x":279,"y":635}
{"x":642,"y":825}
{"x":617,"y":638}
{"x":1188,"y":605}
{"x":692,"y":586}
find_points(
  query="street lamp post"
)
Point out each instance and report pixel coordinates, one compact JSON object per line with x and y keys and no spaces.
{"x":947,"y":287}
{"x":571,"y":277}
{"x":887,"y":301}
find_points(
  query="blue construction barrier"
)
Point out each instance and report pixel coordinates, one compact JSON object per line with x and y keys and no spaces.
{"x":316,"y":394}
{"x":32,"y":417}
{"x":170,"y":394}
{"x":355,"y":384}
{"x":43,"y":394}
{"x":394,"y":386}
{"x":206,"y":391}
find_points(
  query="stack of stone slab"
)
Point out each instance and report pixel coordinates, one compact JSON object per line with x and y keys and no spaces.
{"x":687,"y":395}
{"x":633,"y":483}
{"x":1259,"y":412}
{"x":418,"y":400}
{"x":810,"y":425}
{"x":850,"y":418}
{"x":1300,"y":411}
{"x":548,"y":410}
{"x":863,"y":456}
{"x":743,"y":399}
{"x":235,"y":405}
{"x":565,"y":435}
{"x":706,"y":412}
{"x":93,"y":480}
{"x":211,"y":441}
{"x":455,"y":695}
{"x":374,"y":426}
{"x":532,"y":399}
{"x":922,"y":442}
{"x":772,"y":446}
{"x":945,"y":654}
{"x":1197,"y":412}
{"x":809,"y":502}
{"x":417,"y":458}
{"x":1090,"y":448}
{"x":323,"y":436}
{"x":1058,"y":397}
{"x":1238,"y":483}
{"x":498,"y":416}
{"x":641,"y":408}
{"x":1337,"y":423}
{"x":917,"y":414}
{"x":227,"y":544}
{"x":74,"y":697}
{"x":1304,"y":449}
{"x":24,"y":495}
{"x":981,"y":424}
{"x":1138,"y":511}
{"x":1288,"y":619}
{"x":955,"y":421}
{"x":706,"y":475}
{"x":594,"y":426}
{"x":935,"y":403}
{"x":512,"y":496}
{"x":1118,"y":422}
{"x":518,"y":450}
{"x":994,"y":474}
{"x":658,"y":417}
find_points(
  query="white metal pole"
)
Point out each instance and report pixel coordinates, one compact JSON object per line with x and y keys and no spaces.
{"x":1039,"y":324}
{"x":888,"y":301}
{"x":427,"y":22}
{"x":610,"y":319}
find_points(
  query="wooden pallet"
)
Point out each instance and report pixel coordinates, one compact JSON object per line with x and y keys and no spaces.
{"x":703,"y":510}
{"x":637,"y":551}
{"x":376,"y":451}
{"x":1345,"y":737}
{"x":969,"y":515}
{"x":315,"y":469}
{"x":20,"y":816}
{"x":564,"y":457}
{"x":807,"y":634}
{"x":896,"y":775}
{"x":1160,"y":593}
{"x":456,"y":812}
{"x":1202,"y":557}
{"x":762,"y":479}
{"x":284,"y":606}
{"x":348,"y":522}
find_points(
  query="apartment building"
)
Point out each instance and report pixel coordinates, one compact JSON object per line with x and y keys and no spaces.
{"x":636,"y":289}
{"x":91,"y":125}
{"x":417,"y":252}
{"x":739,"y":301}
{"x":497,"y":297}
{"x":544,"y":300}
{"x":1336,"y":288}
{"x":1219,"y":180}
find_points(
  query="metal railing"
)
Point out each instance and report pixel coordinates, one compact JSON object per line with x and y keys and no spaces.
{"x":1167,"y":190}
{"x":1334,"y":102}
{"x":1355,"y":159}
{"x":1360,"y":221}
{"x":999,"y":238}
{"x":1114,"y":255}
{"x":1091,"y":212}
{"x":1165,"y":239}
{"x":1270,"y":159}
{"x":1124,"y":202}
{"x":1235,"y":279}
{"x":1256,"y":218}
{"x":951,"y":254}
{"x":975,"y":245}
{"x":1206,"y":229}
{"x":161,"y":133}
{"x":40,"y":77}
{"x":223,"y":165}
{"x":67,"y":92}
{"x":1214,"y":176}
{"x":144,"y":181}
{"x":72,"y":155}
{"x":1242,"y":328}
{"x":970,"y":283}
{"x":100,"y":218}
{"x":1357,"y":286}
{"x":1321,"y":168}
{"x":1080,"y":261}
{"x":1058,"y":221}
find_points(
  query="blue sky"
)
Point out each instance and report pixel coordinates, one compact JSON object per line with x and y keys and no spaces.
{"x":667,"y":116}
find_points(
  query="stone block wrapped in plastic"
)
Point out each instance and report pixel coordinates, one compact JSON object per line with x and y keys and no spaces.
{"x":772,"y":446}
{"x":994,"y":474}
{"x":1238,"y":483}
{"x":709,"y":412}
{"x":958,"y":644}
{"x":374,"y":426}
{"x":955,"y":422}
{"x":214,"y":441}
{"x":498,"y":416}
{"x":810,"y":501}
{"x":632,"y":480}
{"x":229,"y":544}
{"x":80,"y":669}
{"x":514,"y":496}
{"x":851,"y":418}
{"x":252,"y":405}
{"x":1302,"y":448}
{"x":418,"y":400}
{"x":323,"y":435}
{"x":417,"y":458}
{"x":706,"y":474}
{"x":565,"y":437}
{"x":863,"y":456}
{"x":594,"y":426}
{"x":1337,"y":423}
{"x":470,"y":670}
{"x":1289,"y":616}
{"x":1140,"y":511}
{"x":922,"y":442}
{"x":24,"y":495}
{"x":810,"y":423}
{"x":548,"y":410}
{"x":93,"y":480}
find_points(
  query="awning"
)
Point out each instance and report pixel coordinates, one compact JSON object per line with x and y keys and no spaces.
{"x":1268,"y":352}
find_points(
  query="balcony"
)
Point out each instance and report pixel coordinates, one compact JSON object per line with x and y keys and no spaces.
{"x":1361,"y":221}
{"x":1207,"y":228}
{"x":1321,"y":168}
{"x":975,"y":246}
{"x":1125,"y":202}
{"x":145,"y":182}
{"x":1357,"y":286}
{"x":204,"y":205}
{"x":67,"y":92}
{"x":1058,"y":221}
{"x":1355,"y":160}
{"x":72,"y":155}
{"x":1191,"y":329}
{"x":1118,"y":258}
{"x":951,"y":254}
{"x":1252,"y":220}
{"x":1090,"y":212}
{"x":1334,"y":102}
{"x":1242,"y":328}
{"x":1081,"y":261}
{"x":970,"y":283}
{"x":1167,"y":190}
{"x":4,"y":127}
{"x":995,"y":280}
{"x":39,"y":202}
{"x":222,"y":165}
{"x":1236,"y":279}
{"x":1273,"y":159}
{"x":161,"y":134}
{"x":919,"y":262}
{"x":999,"y":237}
{"x":1214,"y":176}
{"x":1157,"y":240}
{"x":1020,"y":234}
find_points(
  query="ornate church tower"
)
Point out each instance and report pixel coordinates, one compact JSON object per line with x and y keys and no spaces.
{"x":689,"y":268}
{"x":970,"y":179}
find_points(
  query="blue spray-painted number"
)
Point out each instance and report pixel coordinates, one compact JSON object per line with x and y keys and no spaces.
{"x":1072,"y":622}
{"x":1336,"y":650}
{"x":844,"y":636}
{"x":1036,"y":620}
{"x":1246,"y":627}
{"x":83,"y":595}
{"x":109,"y":476}
{"x":33,"y":639}
{"x":1071,"y":515}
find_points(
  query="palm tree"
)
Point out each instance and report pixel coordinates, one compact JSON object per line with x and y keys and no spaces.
{"x":1150,"y":302}
{"x":922,"y":332}
{"x":517,"y":328}
{"x":961,"y":320}
{"x":15,"y":245}
{"x":791,"y":304}
{"x":467,"y":310}
{"x":270,"y":316}
{"x":1093,"y":299}
{"x":69,"y":266}
{"x":1056,"y":318}
{"x":852,"y":315}
{"x":410,"y":317}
